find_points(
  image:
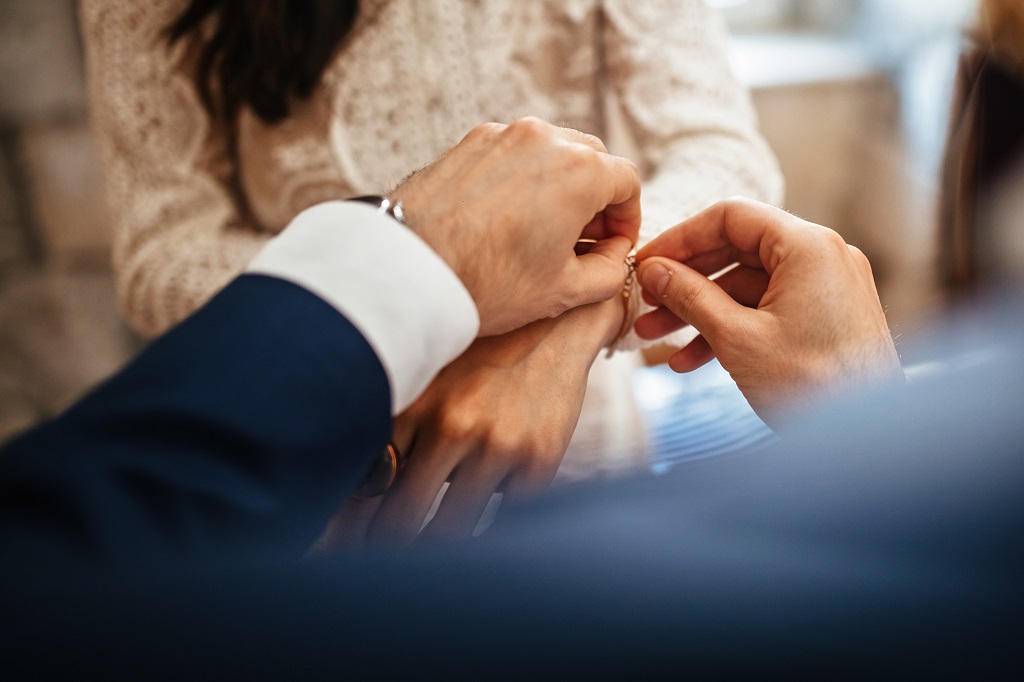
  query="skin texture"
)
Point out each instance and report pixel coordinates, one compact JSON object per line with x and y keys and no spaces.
{"x":796,"y":319}
{"x":500,"y":417}
{"x":490,"y":207}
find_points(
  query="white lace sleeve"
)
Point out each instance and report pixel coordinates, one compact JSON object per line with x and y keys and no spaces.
{"x":178,"y":232}
{"x":694,"y":126}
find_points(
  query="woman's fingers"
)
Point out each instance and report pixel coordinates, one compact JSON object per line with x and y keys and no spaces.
{"x":403,"y":433}
{"x":468,"y":494}
{"x":522,"y":485}
{"x":349,"y":528}
{"x":406,"y":504}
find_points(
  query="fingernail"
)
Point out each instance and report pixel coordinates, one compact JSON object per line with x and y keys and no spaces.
{"x":654,"y":277}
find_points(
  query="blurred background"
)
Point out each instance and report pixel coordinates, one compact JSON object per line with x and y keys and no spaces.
{"x":853,"y":95}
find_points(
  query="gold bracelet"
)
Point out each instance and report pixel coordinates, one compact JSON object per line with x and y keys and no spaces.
{"x":628,"y":299}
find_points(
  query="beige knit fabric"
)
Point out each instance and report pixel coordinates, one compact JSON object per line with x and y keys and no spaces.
{"x":192,"y":204}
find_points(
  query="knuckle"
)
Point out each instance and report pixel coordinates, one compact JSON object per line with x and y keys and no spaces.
{"x":583,"y":156}
{"x":631,"y":165}
{"x":485,"y":131}
{"x":740,"y":205}
{"x":860,"y":259}
{"x":457,"y":423}
{"x":858,"y":256}
{"x":542,"y":457}
{"x":578,"y":160}
{"x":592,"y":141}
{"x":834,"y":240}
{"x":738,"y":201}
{"x":529,"y":128}
{"x":741,"y":208}
{"x":500,"y":442}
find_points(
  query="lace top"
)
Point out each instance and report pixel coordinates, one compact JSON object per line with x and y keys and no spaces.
{"x":192,"y":204}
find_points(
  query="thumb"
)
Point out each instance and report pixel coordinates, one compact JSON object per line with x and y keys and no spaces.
{"x":599,"y":274}
{"x":689,"y":295}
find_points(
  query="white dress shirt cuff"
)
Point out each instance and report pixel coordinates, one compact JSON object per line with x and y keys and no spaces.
{"x":410,"y":306}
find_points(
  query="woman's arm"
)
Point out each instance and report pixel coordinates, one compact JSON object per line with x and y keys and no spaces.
{"x":180,"y":234}
{"x":498,"y":419}
{"x":501,"y":416}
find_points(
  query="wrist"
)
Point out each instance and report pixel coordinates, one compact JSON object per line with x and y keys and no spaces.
{"x":389,"y":305}
{"x":435,"y":224}
{"x":384,"y":205}
{"x":596,"y":326}
{"x":627,"y":304}
{"x":618,"y":318}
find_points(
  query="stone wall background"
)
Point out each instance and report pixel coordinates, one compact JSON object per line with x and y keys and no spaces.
{"x":59,"y":328}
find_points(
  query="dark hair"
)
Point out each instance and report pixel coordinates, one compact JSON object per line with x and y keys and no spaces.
{"x":263,"y":53}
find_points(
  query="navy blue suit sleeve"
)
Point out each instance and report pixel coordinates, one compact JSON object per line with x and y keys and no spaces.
{"x":239,"y":431}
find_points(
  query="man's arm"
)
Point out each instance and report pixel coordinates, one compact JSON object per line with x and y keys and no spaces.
{"x":247,"y":424}
{"x":237,"y":431}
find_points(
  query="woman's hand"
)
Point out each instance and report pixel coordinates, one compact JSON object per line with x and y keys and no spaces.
{"x":498,"y":419}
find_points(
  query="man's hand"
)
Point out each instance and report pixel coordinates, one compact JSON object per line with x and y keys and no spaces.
{"x":505,"y":207}
{"x":798,"y":317}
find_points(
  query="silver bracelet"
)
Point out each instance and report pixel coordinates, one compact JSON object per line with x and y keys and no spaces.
{"x":383,"y":205}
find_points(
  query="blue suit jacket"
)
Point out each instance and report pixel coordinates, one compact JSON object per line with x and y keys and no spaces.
{"x":883,"y":538}
{"x":239,"y":431}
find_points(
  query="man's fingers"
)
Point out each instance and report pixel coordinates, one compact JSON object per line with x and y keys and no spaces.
{"x":484,"y":132}
{"x":617,"y":192}
{"x":621,"y":197}
{"x":693,"y":355}
{"x":594,"y":230}
{"x":689,"y":295}
{"x":696,"y":236}
{"x":597,"y":275}
{"x":580,"y":137}
{"x":616,"y":184}
{"x":745,"y":285}
{"x":740,"y":223}
{"x":658,"y":323}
